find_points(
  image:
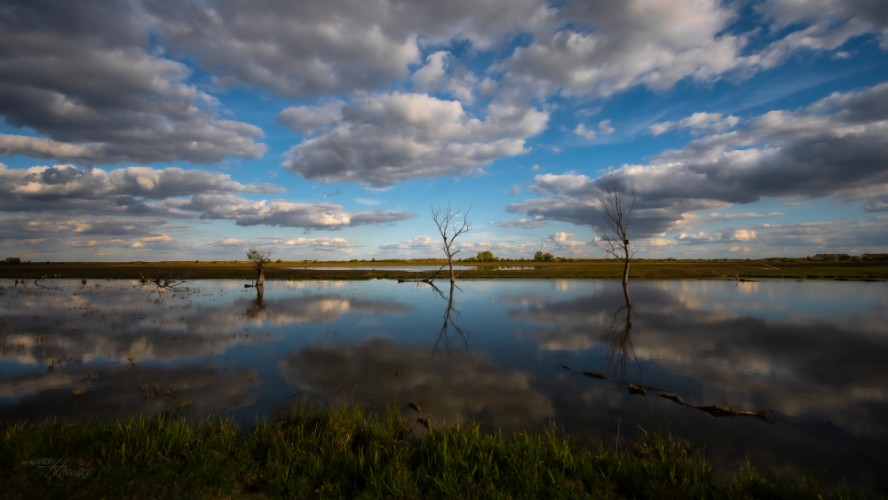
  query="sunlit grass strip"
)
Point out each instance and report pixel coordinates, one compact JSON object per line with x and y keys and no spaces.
{"x":344,"y":452}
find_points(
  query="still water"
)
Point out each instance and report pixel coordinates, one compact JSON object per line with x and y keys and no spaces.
{"x":805,"y":364}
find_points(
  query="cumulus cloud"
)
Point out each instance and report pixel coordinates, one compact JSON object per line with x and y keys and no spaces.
{"x":879,"y":204}
{"x":421,"y":243}
{"x":565,"y":240}
{"x":167,"y":193}
{"x":301,"y":49}
{"x":82,"y":76}
{"x":430,"y":77}
{"x":830,"y":148}
{"x":308,"y":118}
{"x":158,"y":240}
{"x":585,"y":133}
{"x":820,"y":25}
{"x":743,"y":235}
{"x":737,"y":235}
{"x":697,"y":122}
{"x":744,"y":215}
{"x":604,"y":128}
{"x":325,"y":244}
{"x":597,"y":49}
{"x":51,"y":188}
{"x":607,"y":47}
{"x":46,"y":148}
{"x":232,"y":242}
{"x":30,"y":228}
{"x":524,"y":222}
{"x":286,"y":214}
{"x":388,"y":138}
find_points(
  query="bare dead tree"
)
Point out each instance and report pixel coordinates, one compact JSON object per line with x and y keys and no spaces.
{"x":617,"y":202}
{"x":259,"y":257}
{"x":450,"y":227}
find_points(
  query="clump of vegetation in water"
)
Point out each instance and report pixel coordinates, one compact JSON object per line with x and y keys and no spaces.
{"x":346,"y":453}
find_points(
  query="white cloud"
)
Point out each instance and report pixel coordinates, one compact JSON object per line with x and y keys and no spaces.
{"x":585,"y":133}
{"x":82,"y":76}
{"x":610,"y":47}
{"x":232,"y":242}
{"x":660,"y":242}
{"x":830,"y":148}
{"x":820,"y":25}
{"x":46,"y":148}
{"x":167,"y":192}
{"x":522,"y":223}
{"x":324,"y":243}
{"x":305,"y":49}
{"x":287,"y":214}
{"x":431,"y":76}
{"x":565,"y":240}
{"x":388,"y":138}
{"x":697,"y":122}
{"x":67,"y":187}
{"x":308,"y":118}
{"x":421,"y":243}
{"x":714,"y":216}
{"x":743,"y":235}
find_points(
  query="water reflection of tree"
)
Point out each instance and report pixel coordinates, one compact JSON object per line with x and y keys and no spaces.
{"x":448,"y":322}
{"x":620,"y":336}
{"x":257,"y":307}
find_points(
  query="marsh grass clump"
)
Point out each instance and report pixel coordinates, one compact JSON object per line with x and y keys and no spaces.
{"x":344,"y":453}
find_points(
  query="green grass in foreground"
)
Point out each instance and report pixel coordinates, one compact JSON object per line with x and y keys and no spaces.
{"x":346,"y":453}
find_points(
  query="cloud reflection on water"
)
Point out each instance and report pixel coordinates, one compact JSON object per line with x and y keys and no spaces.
{"x":448,"y":387}
{"x":813,"y":352}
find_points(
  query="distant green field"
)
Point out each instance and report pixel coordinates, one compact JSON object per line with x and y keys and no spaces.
{"x":642,"y":269}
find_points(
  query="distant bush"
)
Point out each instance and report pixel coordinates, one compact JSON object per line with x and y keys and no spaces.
{"x":539,"y":256}
{"x":12,"y":260}
{"x":485,"y":256}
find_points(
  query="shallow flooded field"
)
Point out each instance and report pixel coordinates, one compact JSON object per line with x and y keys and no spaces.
{"x":791,"y":374}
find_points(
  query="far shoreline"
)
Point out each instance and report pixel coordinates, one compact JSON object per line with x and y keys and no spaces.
{"x":852,"y":268}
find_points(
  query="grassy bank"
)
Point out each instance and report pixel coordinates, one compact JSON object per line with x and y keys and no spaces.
{"x":346,"y":453}
{"x":642,"y":269}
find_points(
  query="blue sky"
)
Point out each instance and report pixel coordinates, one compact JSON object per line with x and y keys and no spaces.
{"x":167,"y":130}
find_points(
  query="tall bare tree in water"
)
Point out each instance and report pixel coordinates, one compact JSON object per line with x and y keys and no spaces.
{"x":617,"y":200}
{"x":450,"y":227}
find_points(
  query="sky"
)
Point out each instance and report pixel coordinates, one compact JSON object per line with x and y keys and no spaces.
{"x":193,"y":130}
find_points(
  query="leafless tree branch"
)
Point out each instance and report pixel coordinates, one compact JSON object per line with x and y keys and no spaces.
{"x":450,"y":227}
{"x":617,"y":202}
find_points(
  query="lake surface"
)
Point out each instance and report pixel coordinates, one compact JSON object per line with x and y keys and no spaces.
{"x":412,"y":269}
{"x":512,"y":354}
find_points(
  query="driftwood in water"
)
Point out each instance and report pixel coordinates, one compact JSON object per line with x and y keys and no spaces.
{"x":418,"y":280}
{"x":719,"y":411}
{"x":714,"y":410}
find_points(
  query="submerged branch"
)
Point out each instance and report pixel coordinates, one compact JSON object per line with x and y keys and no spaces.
{"x":714,"y":410}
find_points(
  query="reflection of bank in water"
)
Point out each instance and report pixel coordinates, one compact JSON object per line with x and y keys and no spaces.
{"x":379,"y":373}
